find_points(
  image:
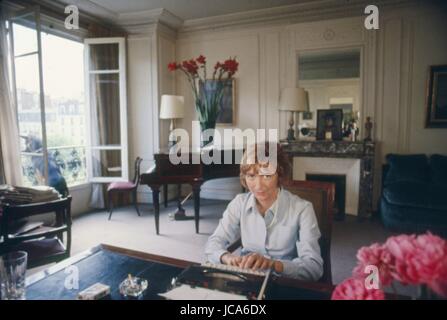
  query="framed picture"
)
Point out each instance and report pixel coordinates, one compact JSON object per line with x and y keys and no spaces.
{"x":329,"y":124}
{"x":437,"y":97}
{"x":307,"y":115}
{"x":227,"y":113}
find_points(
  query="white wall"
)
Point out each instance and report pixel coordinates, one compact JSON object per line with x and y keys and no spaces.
{"x":80,"y":199}
{"x":411,"y":41}
{"x":395,"y":61}
{"x":429,"y":48}
{"x":142,"y":139}
{"x":149,"y":53}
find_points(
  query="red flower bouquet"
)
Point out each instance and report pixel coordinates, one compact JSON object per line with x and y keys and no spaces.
{"x":207,"y":94}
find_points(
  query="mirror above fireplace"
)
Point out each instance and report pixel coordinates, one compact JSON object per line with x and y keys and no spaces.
{"x":332,"y":80}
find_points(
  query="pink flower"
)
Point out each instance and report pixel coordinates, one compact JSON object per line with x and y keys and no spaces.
{"x":379,"y":256}
{"x":418,"y":260}
{"x":354,"y":289}
{"x":440,"y":285}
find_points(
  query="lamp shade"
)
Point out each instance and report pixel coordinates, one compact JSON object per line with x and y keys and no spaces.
{"x":172,"y":107}
{"x":293,"y":99}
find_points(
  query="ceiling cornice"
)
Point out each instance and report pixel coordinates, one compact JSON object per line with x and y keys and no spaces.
{"x":324,"y":9}
{"x":143,"y":21}
{"x":150,"y":16}
{"x":89,"y":8}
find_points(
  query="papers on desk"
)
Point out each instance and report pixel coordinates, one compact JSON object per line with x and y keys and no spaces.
{"x":186,"y":292}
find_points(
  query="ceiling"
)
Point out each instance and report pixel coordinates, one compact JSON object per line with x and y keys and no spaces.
{"x":192,"y":9}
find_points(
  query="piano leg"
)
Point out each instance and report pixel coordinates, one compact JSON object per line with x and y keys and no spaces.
{"x":165,"y":195}
{"x":180,"y":213}
{"x":156,"y":202}
{"x":196,"y":192}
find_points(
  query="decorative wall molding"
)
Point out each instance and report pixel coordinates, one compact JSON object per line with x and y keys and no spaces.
{"x":290,"y":14}
{"x":328,"y":33}
{"x":141,"y":22}
{"x":150,"y":16}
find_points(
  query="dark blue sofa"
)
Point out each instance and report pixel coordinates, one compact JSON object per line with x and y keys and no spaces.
{"x":414,"y":193}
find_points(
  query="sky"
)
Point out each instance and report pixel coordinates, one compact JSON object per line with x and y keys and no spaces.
{"x":63,"y":64}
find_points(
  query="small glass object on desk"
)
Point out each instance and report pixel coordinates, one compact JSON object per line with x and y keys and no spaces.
{"x":133,"y":287}
{"x":12,"y":275}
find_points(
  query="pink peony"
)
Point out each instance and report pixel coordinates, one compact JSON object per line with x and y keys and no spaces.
{"x":440,"y":285}
{"x":379,"y":256}
{"x":354,"y":289}
{"x":418,"y":260}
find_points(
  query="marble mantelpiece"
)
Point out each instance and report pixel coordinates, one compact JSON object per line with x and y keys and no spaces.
{"x":365,"y":151}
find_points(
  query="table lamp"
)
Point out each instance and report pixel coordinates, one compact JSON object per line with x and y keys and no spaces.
{"x":293,"y":100}
{"x":172,"y":107}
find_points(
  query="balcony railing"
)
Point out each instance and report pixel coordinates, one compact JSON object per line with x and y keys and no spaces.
{"x":69,"y":160}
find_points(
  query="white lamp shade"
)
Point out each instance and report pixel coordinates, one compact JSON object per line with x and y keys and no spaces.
{"x":172,"y":107}
{"x":293,"y":99}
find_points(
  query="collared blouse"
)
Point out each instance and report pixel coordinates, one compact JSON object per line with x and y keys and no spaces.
{"x":288,"y":232}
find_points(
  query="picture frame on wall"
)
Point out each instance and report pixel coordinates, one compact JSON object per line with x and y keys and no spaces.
{"x":436,"y":105}
{"x":329,"y":124}
{"x":227,"y":113}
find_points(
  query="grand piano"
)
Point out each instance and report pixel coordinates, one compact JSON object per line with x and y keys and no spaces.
{"x":193,"y":173}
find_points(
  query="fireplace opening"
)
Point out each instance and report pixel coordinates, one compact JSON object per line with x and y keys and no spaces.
{"x":340,"y":191}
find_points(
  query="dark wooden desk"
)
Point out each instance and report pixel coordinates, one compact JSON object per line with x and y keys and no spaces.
{"x":165,"y":173}
{"x":111,"y":265}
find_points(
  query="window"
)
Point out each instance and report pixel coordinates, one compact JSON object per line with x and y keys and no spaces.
{"x":48,"y":78}
{"x":107,"y":155}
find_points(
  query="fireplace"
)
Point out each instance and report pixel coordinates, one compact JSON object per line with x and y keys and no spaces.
{"x":353,"y":159}
{"x":340,"y":191}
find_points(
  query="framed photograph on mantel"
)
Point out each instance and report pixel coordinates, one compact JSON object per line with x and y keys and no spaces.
{"x":436,"y":116}
{"x":329,"y":124}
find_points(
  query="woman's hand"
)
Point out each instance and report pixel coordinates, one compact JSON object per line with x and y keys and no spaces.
{"x":230,"y":259}
{"x":256,"y":261}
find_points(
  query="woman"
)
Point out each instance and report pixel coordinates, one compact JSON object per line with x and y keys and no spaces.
{"x":279,"y":230}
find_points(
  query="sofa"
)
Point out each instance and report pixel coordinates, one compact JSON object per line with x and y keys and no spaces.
{"x":414,"y":193}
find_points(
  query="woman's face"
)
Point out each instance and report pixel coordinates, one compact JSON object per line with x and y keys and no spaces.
{"x":263,"y":183}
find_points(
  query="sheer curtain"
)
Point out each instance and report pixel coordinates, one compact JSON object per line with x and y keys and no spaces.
{"x":10,"y":168}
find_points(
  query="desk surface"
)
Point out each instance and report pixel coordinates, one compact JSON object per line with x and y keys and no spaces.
{"x":110,"y":265}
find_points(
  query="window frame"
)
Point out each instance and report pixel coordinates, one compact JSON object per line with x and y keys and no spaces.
{"x":121,"y":71}
{"x":35,"y":11}
{"x":39,"y":28}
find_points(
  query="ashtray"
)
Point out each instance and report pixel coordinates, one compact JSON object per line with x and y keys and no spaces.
{"x":133,"y":287}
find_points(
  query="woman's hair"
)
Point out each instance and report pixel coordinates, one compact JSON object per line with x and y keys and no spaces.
{"x":255,"y":157}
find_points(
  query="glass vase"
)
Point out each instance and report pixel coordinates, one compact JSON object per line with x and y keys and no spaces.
{"x":207,"y":129}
